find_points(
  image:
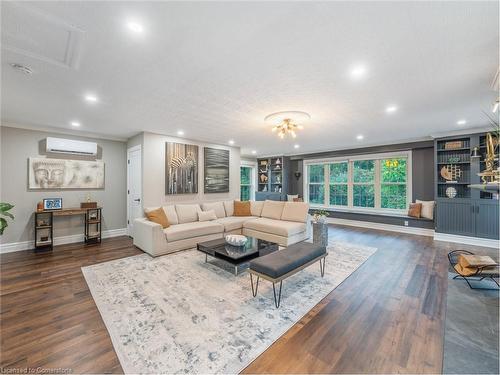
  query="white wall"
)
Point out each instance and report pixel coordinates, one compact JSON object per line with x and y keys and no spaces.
{"x":153,"y":161}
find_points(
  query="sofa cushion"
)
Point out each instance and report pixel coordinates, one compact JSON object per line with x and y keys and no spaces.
{"x":190,"y":230}
{"x":277,"y":227}
{"x":157,"y":216}
{"x":295,"y":211}
{"x":229,"y":207}
{"x":242,"y":209}
{"x":171,"y":214}
{"x":272,"y":209}
{"x":256,"y":207}
{"x":234,"y":222}
{"x":218,"y":207}
{"x":206,"y":215}
{"x":187,"y":213}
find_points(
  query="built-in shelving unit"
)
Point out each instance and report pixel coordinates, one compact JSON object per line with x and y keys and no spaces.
{"x":272,"y":178}
{"x":461,"y":210}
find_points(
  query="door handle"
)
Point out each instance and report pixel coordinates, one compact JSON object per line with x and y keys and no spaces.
{"x":137,"y":200}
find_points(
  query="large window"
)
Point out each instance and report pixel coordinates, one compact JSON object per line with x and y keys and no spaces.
{"x":246,"y":183}
{"x":372,"y":182}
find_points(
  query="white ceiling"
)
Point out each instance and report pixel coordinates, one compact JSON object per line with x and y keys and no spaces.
{"x":215,"y":70}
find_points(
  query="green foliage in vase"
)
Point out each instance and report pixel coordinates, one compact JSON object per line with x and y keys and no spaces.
{"x":4,"y":211}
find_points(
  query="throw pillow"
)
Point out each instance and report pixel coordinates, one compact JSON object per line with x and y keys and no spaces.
{"x":158,"y":216}
{"x":427,"y":209}
{"x":415,"y":210}
{"x":207,"y":215}
{"x":242,"y":208}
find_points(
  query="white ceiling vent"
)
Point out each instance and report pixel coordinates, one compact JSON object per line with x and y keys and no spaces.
{"x":28,"y":31}
{"x":70,"y":146}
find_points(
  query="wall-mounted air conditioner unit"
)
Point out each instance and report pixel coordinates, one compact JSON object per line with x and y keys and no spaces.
{"x":69,"y":146}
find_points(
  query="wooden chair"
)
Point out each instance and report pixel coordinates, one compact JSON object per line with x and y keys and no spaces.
{"x":490,"y":270}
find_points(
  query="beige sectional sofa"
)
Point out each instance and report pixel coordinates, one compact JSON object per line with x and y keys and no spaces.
{"x":282,"y":222}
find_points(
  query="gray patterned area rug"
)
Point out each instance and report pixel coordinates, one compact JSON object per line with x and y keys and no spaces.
{"x":178,"y":314}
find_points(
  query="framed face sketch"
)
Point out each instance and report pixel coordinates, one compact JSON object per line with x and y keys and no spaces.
{"x":44,"y":173}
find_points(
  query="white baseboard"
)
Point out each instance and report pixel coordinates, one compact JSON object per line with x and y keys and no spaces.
{"x":29,"y":245}
{"x":380,"y":226}
{"x":475,"y":241}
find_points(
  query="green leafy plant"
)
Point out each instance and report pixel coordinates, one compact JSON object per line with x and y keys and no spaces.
{"x":4,"y":211}
{"x":319,"y":215}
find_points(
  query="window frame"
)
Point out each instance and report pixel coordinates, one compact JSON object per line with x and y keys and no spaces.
{"x":350,"y":184}
{"x":253,"y":178}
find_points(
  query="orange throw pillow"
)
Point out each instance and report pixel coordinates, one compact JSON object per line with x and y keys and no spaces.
{"x":415,"y":210}
{"x":242,"y":208}
{"x":158,"y":216}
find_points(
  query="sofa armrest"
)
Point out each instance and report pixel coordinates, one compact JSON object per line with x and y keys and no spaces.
{"x":149,"y":237}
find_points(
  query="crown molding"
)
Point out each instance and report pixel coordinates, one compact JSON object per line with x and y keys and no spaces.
{"x":467,"y":131}
{"x":54,"y":129}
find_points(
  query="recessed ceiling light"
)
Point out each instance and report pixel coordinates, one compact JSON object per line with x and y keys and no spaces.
{"x":76,"y":124}
{"x":461,"y":122}
{"x":254,"y":152}
{"x":391,"y":109}
{"x":296,"y":146}
{"x":358,"y":71}
{"x":91,"y":98}
{"x":359,"y":137}
{"x":231,"y":142}
{"x":135,"y":27}
{"x":180,"y":132}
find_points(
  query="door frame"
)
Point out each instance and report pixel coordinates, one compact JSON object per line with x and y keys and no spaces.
{"x":129,"y":151}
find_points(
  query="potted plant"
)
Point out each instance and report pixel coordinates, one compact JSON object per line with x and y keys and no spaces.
{"x":319,"y":216}
{"x":4,"y":211}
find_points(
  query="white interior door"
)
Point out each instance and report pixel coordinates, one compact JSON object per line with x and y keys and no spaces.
{"x":134,"y":187}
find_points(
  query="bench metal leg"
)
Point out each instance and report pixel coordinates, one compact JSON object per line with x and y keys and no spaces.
{"x":254,"y":292}
{"x":322,"y":266}
{"x":277,"y":300}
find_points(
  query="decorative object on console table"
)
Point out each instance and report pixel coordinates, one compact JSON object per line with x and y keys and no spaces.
{"x":181,"y":168}
{"x":52,"y":204}
{"x":216,"y":170}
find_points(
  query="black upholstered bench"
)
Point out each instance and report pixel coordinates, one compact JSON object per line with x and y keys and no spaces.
{"x":277,"y":266}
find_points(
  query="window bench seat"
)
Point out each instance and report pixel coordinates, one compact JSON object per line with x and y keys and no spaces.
{"x":382,"y":218}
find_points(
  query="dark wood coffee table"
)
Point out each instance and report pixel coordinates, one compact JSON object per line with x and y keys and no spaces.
{"x":237,"y":255}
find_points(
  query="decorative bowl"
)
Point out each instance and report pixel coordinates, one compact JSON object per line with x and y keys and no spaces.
{"x":236,"y":239}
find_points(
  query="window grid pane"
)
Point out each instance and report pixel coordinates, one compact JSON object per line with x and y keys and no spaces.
{"x":338,"y":173}
{"x":316,"y":173}
{"x":364,"y":171}
{"x":393,"y":170}
{"x":317,"y":193}
{"x":363,"y":195}
{"x":393,"y":196}
{"x":338,"y":195}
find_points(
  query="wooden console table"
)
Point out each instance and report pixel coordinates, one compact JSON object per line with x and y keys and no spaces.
{"x":44,"y":225}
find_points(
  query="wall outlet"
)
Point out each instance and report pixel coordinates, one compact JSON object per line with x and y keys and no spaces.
{"x":406,"y":223}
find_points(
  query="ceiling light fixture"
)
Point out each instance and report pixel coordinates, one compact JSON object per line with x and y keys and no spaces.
{"x":360,"y":137}
{"x":254,"y":152}
{"x":231,"y":142}
{"x":296,"y":146}
{"x":391,"y":109}
{"x":285,"y":122}
{"x":494,"y":109}
{"x":461,"y":122}
{"x":358,"y":71}
{"x":91,"y":98}
{"x":180,"y":132}
{"x":135,"y":27}
{"x":76,"y":124}
{"x":22,"y":68}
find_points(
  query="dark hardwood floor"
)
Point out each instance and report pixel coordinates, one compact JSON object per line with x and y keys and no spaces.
{"x":387,"y":317}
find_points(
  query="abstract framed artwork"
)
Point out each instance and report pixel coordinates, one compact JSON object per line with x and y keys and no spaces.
{"x":181,"y":168}
{"x":216,"y":170}
{"x":45,"y":173}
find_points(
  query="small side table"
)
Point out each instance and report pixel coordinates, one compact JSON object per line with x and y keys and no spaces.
{"x":320,"y":234}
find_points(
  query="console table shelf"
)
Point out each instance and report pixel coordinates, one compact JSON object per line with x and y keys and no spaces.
{"x":44,"y":225}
